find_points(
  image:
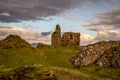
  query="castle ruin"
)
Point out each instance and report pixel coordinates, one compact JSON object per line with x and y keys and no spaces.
{"x":67,"y":39}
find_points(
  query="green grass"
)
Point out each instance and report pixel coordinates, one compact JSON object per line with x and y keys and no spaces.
{"x":58,"y":57}
{"x":57,"y":61}
{"x":99,"y":73}
{"x":18,"y":57}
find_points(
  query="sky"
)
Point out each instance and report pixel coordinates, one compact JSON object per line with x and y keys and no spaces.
{"x":35,"y":20}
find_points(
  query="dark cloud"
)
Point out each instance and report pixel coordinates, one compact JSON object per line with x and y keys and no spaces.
{"x":109,"y":18}
{"x":46,"y":33}
{"x":31,"y":9}
{"x":34,"y":9}
{"x":8,"y":19}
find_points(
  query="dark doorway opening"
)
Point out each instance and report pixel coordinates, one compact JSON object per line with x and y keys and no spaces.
{"x":71,"y":37}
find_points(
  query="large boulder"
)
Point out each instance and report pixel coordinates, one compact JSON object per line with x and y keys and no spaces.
{"x":93,"y":52}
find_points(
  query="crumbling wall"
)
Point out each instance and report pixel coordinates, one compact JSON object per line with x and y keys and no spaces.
{"x":70,"y":39}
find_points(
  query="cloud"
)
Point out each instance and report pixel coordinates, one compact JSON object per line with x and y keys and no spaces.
{"x":4,"y":31}
{"x":5,"y":14}
{"x":46,"y":33}
{"x":104,"y":34}
{"x":109,"y":18}
{"x":31,"y":37}
{"x":31,"y":9}
{"x":86,"y":39}
{"x":107,"y":26}
{"x":35,"y":9}
{"x":45,"y":39}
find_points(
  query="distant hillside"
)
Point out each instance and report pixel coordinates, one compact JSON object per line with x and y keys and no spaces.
{"x":14,"y":41}
{"x":41,"y":45}
{"x":34,"y":44}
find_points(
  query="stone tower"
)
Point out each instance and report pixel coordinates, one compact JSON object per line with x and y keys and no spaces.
{"x":56,"y":36}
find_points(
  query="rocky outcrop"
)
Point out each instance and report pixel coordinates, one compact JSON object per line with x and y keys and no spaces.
{"x":111,"y":58}
{"x":70,"y":39}
{"x":14,"y":41}
{"x":56,"y":36}
{"x":94,"y":53}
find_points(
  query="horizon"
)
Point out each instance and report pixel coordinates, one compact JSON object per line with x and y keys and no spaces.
{"x":35,"y":20}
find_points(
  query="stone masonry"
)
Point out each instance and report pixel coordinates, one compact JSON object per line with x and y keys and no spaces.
{"x":56,"y":36}
{"x":68,"y":38}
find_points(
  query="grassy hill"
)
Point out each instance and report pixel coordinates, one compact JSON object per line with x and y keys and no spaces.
{"x":31,"y":63}
{"x":14,"y":41}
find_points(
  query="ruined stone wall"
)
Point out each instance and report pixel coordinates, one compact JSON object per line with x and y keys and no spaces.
{"x":92,"y":53}
{"x":56,"y":36}
{"x":70,"y":39}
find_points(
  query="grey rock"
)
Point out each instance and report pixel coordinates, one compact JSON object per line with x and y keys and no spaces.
{"x":98,"y":53}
